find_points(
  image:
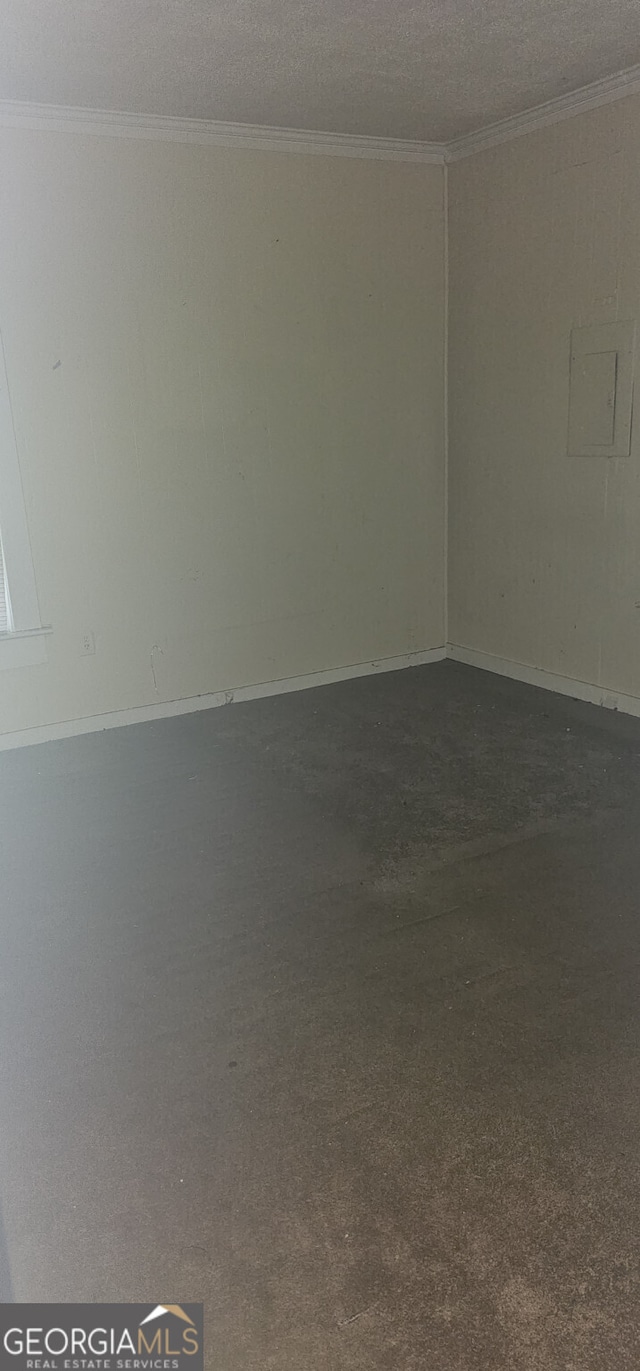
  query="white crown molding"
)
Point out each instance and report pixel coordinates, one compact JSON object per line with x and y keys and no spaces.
{"x":603,"y":92}
{"x":113,"y":123}
{"x":165,"y":128}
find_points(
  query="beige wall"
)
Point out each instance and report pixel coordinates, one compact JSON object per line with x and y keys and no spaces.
{"x":544,"y":548}
{"x":226,"y":370}
{"x":236,"y":472}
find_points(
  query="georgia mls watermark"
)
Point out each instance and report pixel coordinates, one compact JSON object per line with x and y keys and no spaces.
{"x":101,"y":1337}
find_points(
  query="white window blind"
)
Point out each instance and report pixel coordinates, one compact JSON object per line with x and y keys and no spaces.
{"x":4,"y":598}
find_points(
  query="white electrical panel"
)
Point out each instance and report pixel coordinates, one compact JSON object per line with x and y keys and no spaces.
{"x":601,"y":390}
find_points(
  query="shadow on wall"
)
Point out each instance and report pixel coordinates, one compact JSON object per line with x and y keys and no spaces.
{"x":6,"y":1292}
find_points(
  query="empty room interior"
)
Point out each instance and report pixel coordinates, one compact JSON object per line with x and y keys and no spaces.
{"x":320,"y":684}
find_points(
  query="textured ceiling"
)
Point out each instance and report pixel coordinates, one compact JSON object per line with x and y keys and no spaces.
{"x":397,"y":68}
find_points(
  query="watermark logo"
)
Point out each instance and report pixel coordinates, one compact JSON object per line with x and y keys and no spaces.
{"x":101,"y":1337}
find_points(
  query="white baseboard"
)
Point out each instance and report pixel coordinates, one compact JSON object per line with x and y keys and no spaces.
{"x":95,"y":723}
{"x":548,"y":680}
{"x":486,"y":661}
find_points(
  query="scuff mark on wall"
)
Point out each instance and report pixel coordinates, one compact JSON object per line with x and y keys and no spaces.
{"x":155,"y":648}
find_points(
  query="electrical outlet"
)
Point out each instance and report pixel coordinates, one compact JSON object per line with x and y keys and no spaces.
{"x":87,"y":643}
